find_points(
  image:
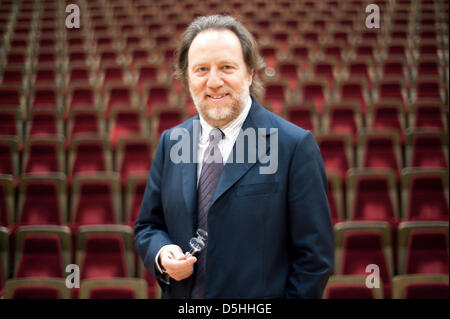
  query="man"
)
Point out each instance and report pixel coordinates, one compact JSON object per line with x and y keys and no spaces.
{"x":269,"y":232}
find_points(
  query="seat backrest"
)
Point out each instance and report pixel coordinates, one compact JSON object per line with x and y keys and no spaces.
{"x":427,"y":291}
{"x":362,"y":248}
{"x":104,"y":257}
{"x":42,"y":200}
{"x":427,"y":198}
{"x":35,"y":292}
{"x":427,"y":252}
{"x":41,"y":257}
{"x":32,"y":288}
{"x":371,"y":195}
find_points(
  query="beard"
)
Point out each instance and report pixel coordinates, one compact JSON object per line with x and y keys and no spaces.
{"x":220,"y":115}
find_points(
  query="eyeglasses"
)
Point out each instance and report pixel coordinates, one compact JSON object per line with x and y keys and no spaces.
{"x":197,"y":243}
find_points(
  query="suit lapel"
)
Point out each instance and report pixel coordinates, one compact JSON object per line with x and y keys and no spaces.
{"x":189,"y":174}
{"x":233,"y":171}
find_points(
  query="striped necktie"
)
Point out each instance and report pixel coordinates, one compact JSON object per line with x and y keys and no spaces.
{"x":211,"y":170}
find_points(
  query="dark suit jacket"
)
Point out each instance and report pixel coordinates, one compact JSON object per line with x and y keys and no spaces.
{"x":270,"y":235}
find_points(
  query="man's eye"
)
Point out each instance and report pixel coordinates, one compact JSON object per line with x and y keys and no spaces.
{"x":202,"y":69}
{"x":227,"y":67}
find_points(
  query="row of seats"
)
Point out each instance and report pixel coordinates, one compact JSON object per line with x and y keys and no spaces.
{"x":280,"y":89}
{"x":111,"y":288}
{"x":104,"y":251}
{"x":403,"y":287}
{"x":343,"y":117}
{"x":101,"y":252}
{"x":339,"y":287}
{"x":89,"y":200}
{"x":129,"y":151}
{"x":344,"y":45}
{"x":364,"y":194}
{"x":295,"y":11}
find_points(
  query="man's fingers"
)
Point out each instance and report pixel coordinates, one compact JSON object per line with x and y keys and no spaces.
{"x":180,"y":269}
{"x":191,"y":260}
{"x":178,"y":254}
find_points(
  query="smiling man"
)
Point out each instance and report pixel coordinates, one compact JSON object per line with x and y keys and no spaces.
{"x":269,"y":235}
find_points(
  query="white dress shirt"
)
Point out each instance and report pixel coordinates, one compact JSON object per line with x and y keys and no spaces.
{"x":230,"y":131}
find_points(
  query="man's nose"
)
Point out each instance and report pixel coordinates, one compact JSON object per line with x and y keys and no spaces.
{"x":214,"y":80}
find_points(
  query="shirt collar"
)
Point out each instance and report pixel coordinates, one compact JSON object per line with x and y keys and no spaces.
{"x":231,"y":129}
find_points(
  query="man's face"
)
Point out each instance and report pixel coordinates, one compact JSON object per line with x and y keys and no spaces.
{"x":217,"y":76}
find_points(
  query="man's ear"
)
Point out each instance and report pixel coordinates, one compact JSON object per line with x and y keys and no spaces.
{"x":251,"y":73}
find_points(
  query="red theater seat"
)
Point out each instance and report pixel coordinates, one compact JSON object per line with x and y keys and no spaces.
{"x":371,"y":196}
{"x":427,"y":252}
{"x":362,"y":244}
{"x":428,"y":88}
{"x":45,"y":97}
{"x":167,"y":118}
{"x":428,"y":115}
{"x":43,"y":155}
{"x":289,"y":69}
{"x":113,"y":288}
{"x":133,"y":157}
{"x":9,"y":156}
{"x":424,"y":194}
{"x":325,"y":70}
{"x":42,"y":200}
{"x":41,"y":257}
{"x":354,"y":90}
{"x":426,"y":149}
{"x":118,"y":96}
{"x":392,"y":88}
{"x":126,"y":123}
{"x":342,"y":118}
{"x":83,"y":122}
{"x":427,"y":291}
{"x":112,"y":293}
{"x":379,"y":150}
{"x":350,"y":287}
{"x":337,"y":152}
{"x":44,"y":123}
{"x":31,"y":288}
{"x":361,"y":68}
{"x":82,"y":96}
{"x":96,"y":199}
{"x":89,"y":155}
{"x":11,"y":96}
{"x":12,"y":76}
{"x":10,"y":122}
{"x":79,"y":74}
{"x":315,"y":91}
{"x":156,"y":94}
{"x":37,"y":292}
{"x":303,"y":115}
{"x":103,"y":257}
{"x":420,"y":287}
{"x":105,"y":251}
{"x":387,"y":115}
{"x":275,"y":94}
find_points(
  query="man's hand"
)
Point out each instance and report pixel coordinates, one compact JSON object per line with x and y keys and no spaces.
{"x":173,"y":260}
